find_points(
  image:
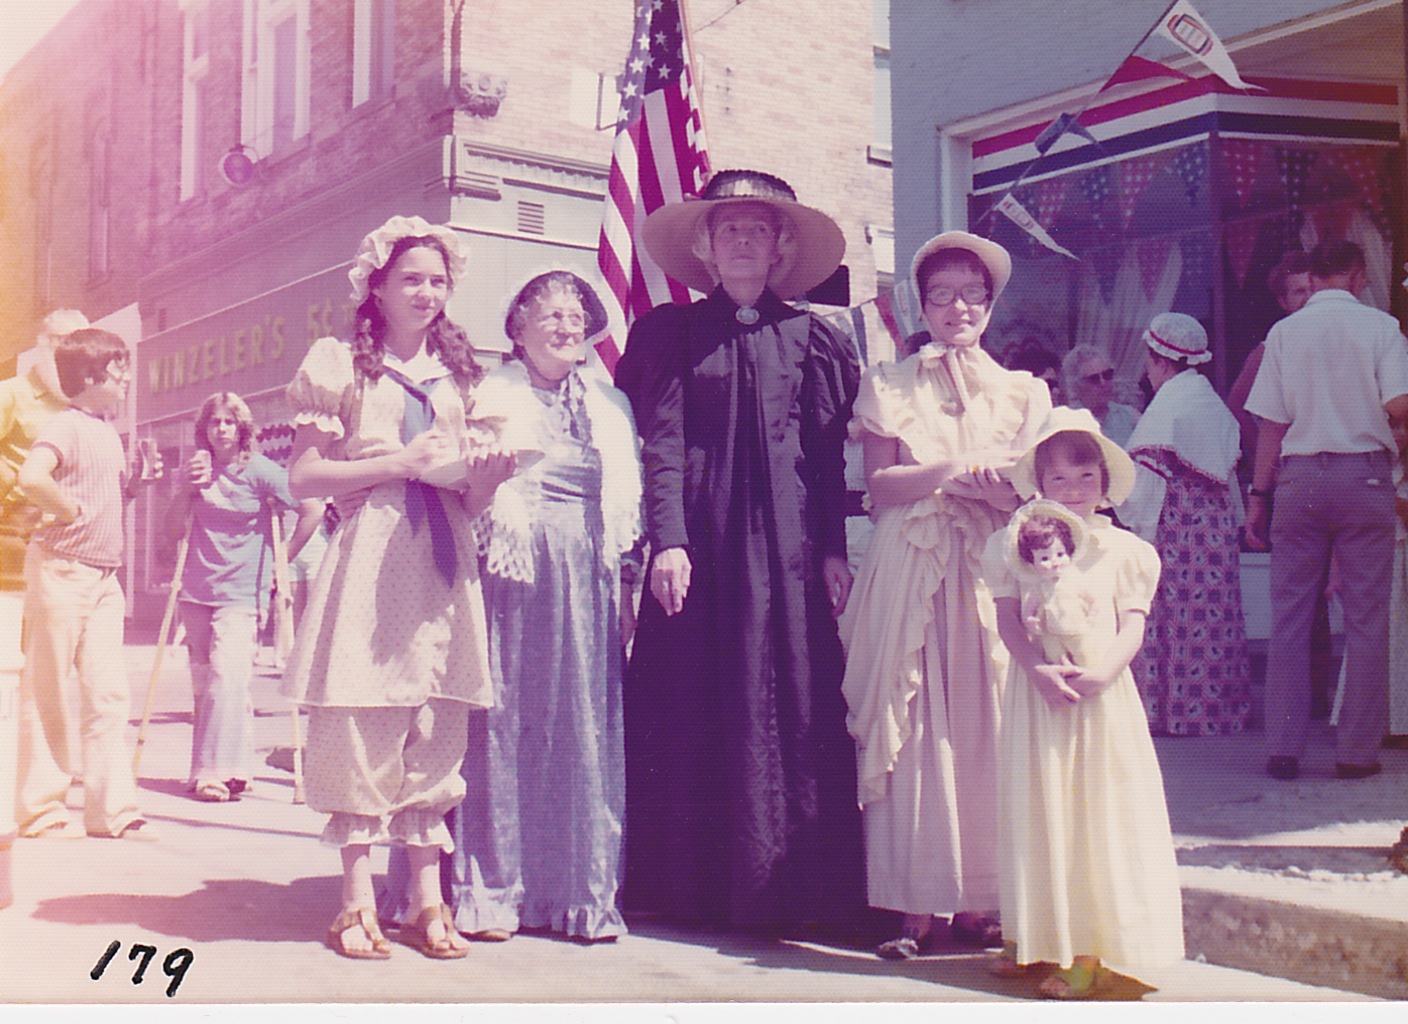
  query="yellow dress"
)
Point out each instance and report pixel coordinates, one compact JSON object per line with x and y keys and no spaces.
{"x":1086,"y":855}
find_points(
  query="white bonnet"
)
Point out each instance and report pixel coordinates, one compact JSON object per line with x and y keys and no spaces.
{"x":376,"y":248}
{"x":1179,"y":337}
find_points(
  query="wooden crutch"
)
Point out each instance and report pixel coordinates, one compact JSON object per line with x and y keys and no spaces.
{"x":283,"y":638}
{"x":163,"y":639}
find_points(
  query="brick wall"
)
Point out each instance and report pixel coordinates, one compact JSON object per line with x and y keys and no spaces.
{"x":777,"y":95}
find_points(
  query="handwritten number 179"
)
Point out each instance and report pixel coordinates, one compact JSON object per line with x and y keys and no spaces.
{"x":174,"y":966}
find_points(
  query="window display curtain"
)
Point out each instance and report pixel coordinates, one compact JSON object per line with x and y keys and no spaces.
{"x":1138,"y":293}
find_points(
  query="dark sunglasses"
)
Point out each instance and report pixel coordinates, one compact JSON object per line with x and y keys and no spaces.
{"x":1104,"y":376}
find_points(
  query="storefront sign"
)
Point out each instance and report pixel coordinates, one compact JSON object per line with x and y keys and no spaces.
{"x":247,"y":348}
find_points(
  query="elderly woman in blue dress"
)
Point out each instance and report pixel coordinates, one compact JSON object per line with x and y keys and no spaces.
{"x":538,"y":837}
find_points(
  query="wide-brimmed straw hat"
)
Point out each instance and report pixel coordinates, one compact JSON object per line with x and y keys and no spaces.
{"x":1179,"y":337}
{"x":670,"y":233}
{"x":994,"y":257}
{"x":1063,"y":418}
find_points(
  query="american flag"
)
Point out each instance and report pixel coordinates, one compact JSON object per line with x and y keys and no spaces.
{"x":659,"y":158}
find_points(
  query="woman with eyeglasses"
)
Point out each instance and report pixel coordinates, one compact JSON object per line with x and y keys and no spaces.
{"x":1193,"y":670}
{"x":940,"y":432}
{"x":1089,"y":380}
{"x":538,"y":838}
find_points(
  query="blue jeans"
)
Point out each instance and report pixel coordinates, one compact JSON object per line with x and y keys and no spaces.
{"x":222,"y":644}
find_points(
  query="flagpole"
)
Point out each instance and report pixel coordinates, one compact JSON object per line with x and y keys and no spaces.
{"x":695,"y":82}
{"x":1084,"y":106}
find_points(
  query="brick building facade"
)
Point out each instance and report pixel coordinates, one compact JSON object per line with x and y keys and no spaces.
{"x":495,"y":117}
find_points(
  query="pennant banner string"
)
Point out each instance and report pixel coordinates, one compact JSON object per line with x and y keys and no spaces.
{"x":1180,"y":23}
{"x":1063,"y":123}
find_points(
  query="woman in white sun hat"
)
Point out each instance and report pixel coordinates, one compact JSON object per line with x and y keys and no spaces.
{"x":940,"y":432}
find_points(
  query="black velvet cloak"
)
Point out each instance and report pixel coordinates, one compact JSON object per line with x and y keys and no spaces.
{"x":740,"y":776}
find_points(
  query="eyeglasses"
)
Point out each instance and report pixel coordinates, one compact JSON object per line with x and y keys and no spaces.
{"x":1101,"y":377}
{"x":973,"y":294}
{"x":119,"y":372}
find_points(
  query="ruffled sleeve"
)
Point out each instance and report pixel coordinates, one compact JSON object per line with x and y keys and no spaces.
{"x":997,"y":571}
{"x":1136,"y":575}
{"x":496,"y":404}
{"x":1035,"y":405}
{"x":321,"y":389}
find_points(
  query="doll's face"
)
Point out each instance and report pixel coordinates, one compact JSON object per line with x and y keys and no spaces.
{"x":1050,"y":560}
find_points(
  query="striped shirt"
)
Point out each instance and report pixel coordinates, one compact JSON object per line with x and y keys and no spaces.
{"x":91,"y":463}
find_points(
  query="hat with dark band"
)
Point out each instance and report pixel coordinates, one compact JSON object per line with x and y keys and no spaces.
{"x":671,"y":232}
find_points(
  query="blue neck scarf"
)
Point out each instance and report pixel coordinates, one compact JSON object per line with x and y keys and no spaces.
{"x":423,"y":503}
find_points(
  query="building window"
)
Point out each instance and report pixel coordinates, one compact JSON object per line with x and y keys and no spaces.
{"x":274,"y":94}
{"x":373,"y":50}
{"x":880,"y":133}
{"x":195,"y":100}
{"x":99,"y":210}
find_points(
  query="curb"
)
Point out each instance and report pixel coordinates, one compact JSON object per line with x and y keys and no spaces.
{"x":1311,"y":945}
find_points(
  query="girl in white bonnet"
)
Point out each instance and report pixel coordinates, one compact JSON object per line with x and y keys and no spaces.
{"x":392,"y":652}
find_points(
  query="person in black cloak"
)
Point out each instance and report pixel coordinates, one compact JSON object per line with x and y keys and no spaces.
{"x":740,"y":776}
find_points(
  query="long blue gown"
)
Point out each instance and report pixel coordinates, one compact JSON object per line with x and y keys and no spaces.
{"x":538,"y":836}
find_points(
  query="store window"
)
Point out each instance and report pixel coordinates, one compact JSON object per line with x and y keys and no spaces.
{"x":274,"y":107}
{"x":99,"y":206}
{"x":41,"y":187}
{"x":1196,"y":228}
{"x":373,"y":50}
{"x":880,"y":149}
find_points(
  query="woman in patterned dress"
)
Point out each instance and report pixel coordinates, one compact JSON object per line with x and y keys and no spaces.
{"x":392,"y":654}
{"x":538,"y":840}
{"x":538,"y":837}
{"x":1193,"y":670}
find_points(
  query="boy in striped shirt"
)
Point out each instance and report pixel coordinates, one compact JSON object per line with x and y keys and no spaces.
{"x":74,"y":606}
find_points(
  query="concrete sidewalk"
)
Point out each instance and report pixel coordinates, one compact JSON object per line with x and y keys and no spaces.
{"x":247,"y":889}
{"x":1290,"y":878}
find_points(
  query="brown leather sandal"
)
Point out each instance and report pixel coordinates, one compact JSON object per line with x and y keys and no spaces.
{"x":417,"y":935}
{"x":365,"y":918}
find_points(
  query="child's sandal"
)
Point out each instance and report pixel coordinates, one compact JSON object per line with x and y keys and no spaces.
{"x":1079,"y":981}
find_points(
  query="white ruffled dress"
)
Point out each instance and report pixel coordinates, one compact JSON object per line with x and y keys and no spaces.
{"x":924,"y":666}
